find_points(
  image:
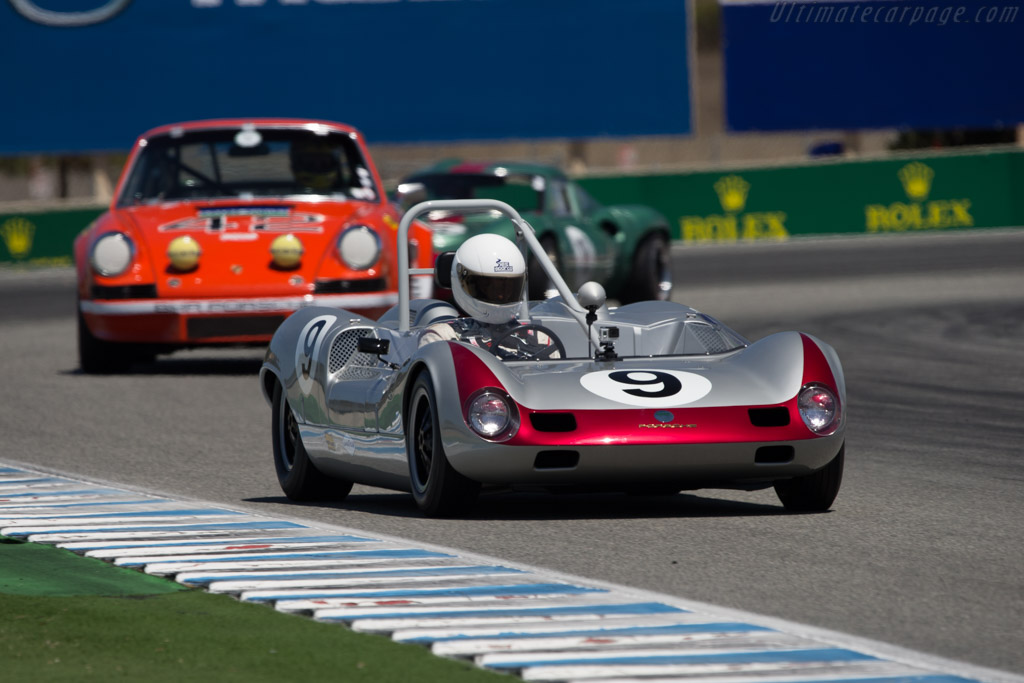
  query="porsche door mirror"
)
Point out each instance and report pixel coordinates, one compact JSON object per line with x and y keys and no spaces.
{"x":378,"y":347}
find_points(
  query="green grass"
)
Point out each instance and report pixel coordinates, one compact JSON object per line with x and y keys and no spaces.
{"x":69,"y":618}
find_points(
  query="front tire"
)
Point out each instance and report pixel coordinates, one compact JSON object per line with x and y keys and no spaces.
{"x":438,"y":489}
{"x":816,"y":491}
{"x":651,"y":278}
{"x":99,"y":357}
{"x":299,"y":478}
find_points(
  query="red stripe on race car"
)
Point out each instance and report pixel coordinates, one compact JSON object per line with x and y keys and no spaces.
{"x":472,"y":374}
{"x":816,"y":367}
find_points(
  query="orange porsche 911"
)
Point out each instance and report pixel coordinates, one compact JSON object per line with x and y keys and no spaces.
{"x":221,"y":229}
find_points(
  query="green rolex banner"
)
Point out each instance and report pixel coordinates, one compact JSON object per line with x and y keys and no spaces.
{"x":42,"y":238}
{"x":909,"y":193}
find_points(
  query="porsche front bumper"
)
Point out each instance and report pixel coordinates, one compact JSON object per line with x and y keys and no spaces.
{"x":222,"y":320}
{"x":690,"y":465}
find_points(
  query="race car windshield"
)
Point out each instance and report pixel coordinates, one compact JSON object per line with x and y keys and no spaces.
{"x":229,"y":162}
{"x":521,"y":192}
{"x":491,"y":289}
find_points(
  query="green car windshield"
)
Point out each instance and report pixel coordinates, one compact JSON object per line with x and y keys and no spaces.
{"x":242,"y":163}
{"x":524,"y":193}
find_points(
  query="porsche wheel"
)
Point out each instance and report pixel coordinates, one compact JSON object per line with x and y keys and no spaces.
{"x":816,"y":491}
{"x":651,"y":278}
{"x":540,"y":285}
{"x":299,"y":478}
{"x":438,"y":489}
{"x":99,"y":357}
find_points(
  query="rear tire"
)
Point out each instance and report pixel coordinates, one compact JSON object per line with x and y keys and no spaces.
{"x":438,"y":489}
{"x":299,"y":478}
{"x":651,"y":278}
{"x":816,"y":491}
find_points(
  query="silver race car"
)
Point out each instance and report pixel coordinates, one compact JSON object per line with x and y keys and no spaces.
{"x":652,"y":397}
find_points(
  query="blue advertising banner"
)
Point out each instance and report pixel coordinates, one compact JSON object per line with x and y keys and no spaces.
{"x":91,"y":75}
{"x":815,"y":64}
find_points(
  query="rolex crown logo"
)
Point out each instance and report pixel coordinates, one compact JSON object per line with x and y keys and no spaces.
{"x":917,"y":180}
{"x":732,"y":193}
{"x":17,"y":234}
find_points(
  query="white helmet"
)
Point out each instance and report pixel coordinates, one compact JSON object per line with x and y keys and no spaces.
{"x":488,"y":277}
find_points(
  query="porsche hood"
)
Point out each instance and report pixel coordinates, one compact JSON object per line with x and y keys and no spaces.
{"x":768,"y":372}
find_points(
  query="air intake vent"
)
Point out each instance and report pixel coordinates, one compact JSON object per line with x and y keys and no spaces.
{"x":709,"y":337}
{"x":553,"y":422}
{"x":349,"y":286}
{"x":235,"y":326}
{"x":344,"y":347}
{"x":124,"y":292}
{"x":769,"y":417}
{"x":773,"y":454}
{"x":556,"y":460}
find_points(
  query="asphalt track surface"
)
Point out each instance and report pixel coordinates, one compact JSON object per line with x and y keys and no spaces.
{"x":924,"y":547}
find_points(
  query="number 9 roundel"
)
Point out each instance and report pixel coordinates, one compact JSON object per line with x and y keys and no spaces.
{"x":308,"y":349}
{"x":647,"y":388}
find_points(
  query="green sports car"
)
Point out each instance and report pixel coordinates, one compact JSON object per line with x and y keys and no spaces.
{"x":625,"y":248}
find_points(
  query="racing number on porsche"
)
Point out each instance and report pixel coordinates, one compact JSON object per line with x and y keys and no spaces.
{"x":658,"y":384}
{"x":647,"y":388}
{"x":308,"y":348}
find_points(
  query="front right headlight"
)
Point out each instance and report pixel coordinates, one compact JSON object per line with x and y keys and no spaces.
{"x":819,"y":409}
{"x":112,"y":254}
{"x":359,"y":247}
{"x":492,"y":415}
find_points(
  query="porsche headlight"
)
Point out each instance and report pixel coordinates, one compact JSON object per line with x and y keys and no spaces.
{"x":359,"y":247}
{"x":112,"y":254}
{"x":492,"y":416}
{"x":819,"y":409}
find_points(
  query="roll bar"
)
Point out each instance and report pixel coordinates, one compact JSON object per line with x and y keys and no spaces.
{"x":523,"y":229}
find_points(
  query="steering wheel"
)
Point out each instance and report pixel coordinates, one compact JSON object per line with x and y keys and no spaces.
{"x":526,"y":349}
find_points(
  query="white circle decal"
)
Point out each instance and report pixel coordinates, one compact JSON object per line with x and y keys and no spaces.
{"x":308,"y":349}
{"x":647,"y":388}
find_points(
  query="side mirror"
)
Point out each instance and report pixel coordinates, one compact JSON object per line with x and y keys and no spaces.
{"x":443,"y":269}
{"x":591,"y":296}
{"x":377,"y":347}
{"x":409,"y":195}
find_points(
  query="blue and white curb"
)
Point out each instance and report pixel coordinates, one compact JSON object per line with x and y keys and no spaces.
{"x":535,"y":624}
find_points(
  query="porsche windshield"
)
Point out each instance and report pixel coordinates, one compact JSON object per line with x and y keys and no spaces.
{"x":232,"y":162}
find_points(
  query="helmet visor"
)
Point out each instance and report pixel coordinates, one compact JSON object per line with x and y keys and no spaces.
{"x":491,"y":289}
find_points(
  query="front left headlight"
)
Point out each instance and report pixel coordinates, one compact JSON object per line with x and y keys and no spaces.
{"x":359,"y":247}
{"x":819,"y":409}
{"x":492,"y":415}
{"x":112,"y":254}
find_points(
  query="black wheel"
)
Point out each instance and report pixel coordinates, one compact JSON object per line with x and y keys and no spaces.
{"x":438,"y":489}
{"x":99,"y":357}
{"x":540,"y":285}
{"x":651,"y":279}
{"x":816,"y":491}
{"x":299,"y":478}
{"x":526,"y":349}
